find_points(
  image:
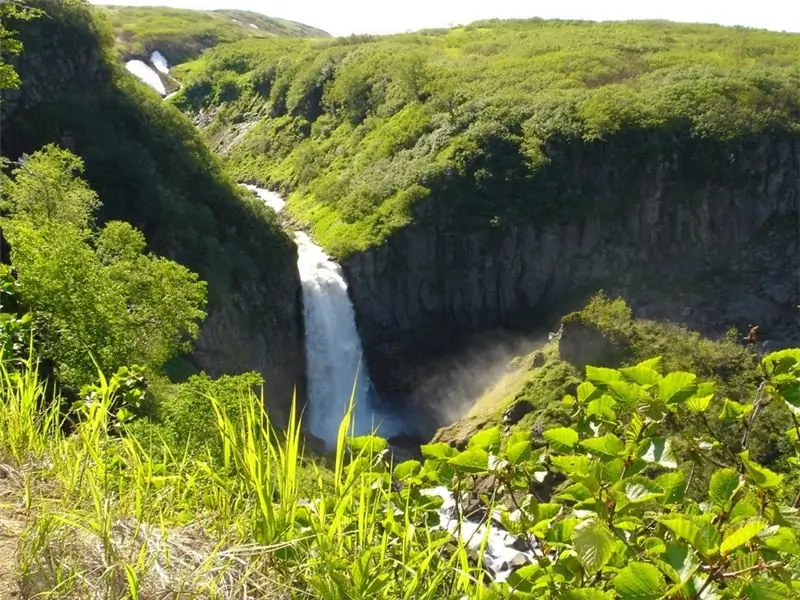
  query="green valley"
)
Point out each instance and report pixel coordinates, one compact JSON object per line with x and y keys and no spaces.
{"x":526,"y":326}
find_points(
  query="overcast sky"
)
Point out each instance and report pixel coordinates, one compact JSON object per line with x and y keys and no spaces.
{"x":343,"y":17}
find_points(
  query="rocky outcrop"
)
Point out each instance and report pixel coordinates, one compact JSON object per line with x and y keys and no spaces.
{"x":697,"y":231}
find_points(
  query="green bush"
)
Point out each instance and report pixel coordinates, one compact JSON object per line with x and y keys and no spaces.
{"x":95,"y":294}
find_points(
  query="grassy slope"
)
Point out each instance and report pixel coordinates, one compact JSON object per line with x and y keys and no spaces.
{"x":182,"y":34}
{"x":362,"y":129}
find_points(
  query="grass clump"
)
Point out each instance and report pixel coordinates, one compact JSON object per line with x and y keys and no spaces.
{"x":105,"y":517}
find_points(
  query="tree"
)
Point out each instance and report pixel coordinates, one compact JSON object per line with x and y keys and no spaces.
{"x":9,"y":44}
{"x":95,"y":295}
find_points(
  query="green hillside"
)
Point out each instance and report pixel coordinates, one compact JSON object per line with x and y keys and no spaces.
{"x":182,"y":34}
{"x":477,"y":118}
{"x":151,"y":168}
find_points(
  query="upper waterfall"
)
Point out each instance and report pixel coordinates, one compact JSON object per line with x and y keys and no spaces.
{"x":146,"y":74}
{"x":159,"y":62}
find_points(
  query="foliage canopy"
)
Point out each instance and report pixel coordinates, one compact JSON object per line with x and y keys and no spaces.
{"x":94,"y":292}
{"x":488,"y":121}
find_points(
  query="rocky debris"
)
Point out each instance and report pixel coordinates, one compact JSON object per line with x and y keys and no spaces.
{"x":538,"y":360}
{"x":582,"y":345}
{"x":514,"y":415}
{"x":504,"y":552}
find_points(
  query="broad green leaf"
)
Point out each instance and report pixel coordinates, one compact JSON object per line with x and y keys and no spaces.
{"x":602,"y":408}
{"x":765,"y":589}
{"x":659,"y":451}
{"x":640,"y":581}
{"x":572,"y":465}
{"x":607,"y":445}
{"x":724,"y":484}
{"x":677,"y":387}
{"x":577,"y":492}
{"x":641,"y":374}
{"x":562,"y":439}
{"x":732,"y":410}
{"x":742,"y":535}
{"x":586,"y":594}
{"x":633,"y":431}
{"x":367,"y":443}
{"x":781,"y":361}
{"x":408,"y":468}
{"x":699,"y":403}
{"x":593,"y":543}
{"x":652,"y":363}
{"x":601,"y":376}
{"x":610,"y":471}
{"x":641,"y":489}
{"x":628,"y":394}
{"x":486,"y":439}
{"x":674,"y":486}
{"x":698,"y":531}
{"x":524,"y":579}
{"x":760,"y":476}
{"x":784,"y":540}
{"x":472,"y":460}
{"x":587,"y":391}
{"x":518,"y":452}
{"x":682,"y":560}
{"x":438,"y":450}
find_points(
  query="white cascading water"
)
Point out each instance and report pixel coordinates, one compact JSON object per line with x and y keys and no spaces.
{"x":159,"y":62}
{"x":333,"y":346}
{"x":146,"y":74}
{"x":333,"y":353}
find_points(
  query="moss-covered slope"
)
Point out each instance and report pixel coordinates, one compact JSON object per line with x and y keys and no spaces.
{"x":151,"y":168}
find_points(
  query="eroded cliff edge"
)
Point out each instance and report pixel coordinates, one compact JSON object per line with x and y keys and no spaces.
{"x":703,"y":232}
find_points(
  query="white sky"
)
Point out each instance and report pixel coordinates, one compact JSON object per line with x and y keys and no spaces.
{"x":343,"y":17}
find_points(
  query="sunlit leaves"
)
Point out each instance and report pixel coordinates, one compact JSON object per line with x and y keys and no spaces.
{"x":761,"y":476}
{"x":639,"y":581}
{"x":724,"y":484}
{"x":561,"y":439}
{"x":659,"y":451}
{"x":594,"y":544}
{"x":742,"y":534}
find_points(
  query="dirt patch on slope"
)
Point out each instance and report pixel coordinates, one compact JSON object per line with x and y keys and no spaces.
{"x":11,"y":526}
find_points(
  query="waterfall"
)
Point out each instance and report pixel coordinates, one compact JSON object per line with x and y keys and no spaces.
{"x":333,"y":347}
{"x":146,"y":74}
{"x":159,"y":62}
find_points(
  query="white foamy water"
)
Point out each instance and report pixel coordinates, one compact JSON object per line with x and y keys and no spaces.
{"x":271,"y":199}
{"x":333,"y":347}
{"x":146,"y":73}
{"x":159,"y":62}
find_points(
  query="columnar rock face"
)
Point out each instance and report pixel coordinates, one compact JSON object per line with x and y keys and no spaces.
{"x":700,"y":232}
{"x":150,"y":168}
